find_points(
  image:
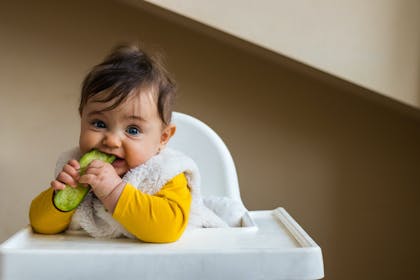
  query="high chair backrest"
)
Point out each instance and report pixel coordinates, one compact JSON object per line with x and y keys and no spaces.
{"x":206,"y":148}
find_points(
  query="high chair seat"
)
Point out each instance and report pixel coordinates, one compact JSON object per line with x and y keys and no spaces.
{"x":269,"y":244}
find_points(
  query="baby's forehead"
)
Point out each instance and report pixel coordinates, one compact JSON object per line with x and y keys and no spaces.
{"x":142,"y":103}
{"x":117,"y":97}
{"x":143,"y":93}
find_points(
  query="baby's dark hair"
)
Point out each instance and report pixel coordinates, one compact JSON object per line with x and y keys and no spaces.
{"x":127,"y":68}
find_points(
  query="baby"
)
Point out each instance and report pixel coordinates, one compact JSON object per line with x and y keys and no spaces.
{"x":149,"y":192}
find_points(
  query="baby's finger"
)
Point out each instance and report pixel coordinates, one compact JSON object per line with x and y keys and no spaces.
{"x":87,"y":179}
{"x":74,"y":163}
{"x":70,"y":170}
{"x":56,"y":185}
{"x":95,"y":167}
{"x":96,"y":164}
{"x":65,"y":178}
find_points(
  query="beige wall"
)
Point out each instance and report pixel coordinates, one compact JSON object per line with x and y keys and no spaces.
{"x":374,"y":44}
{"x":346,"y":168}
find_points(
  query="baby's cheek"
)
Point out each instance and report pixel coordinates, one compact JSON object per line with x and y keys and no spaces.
{"x":86,"y":142}
{"x":84,"y":146}
{"x":135,"y":160}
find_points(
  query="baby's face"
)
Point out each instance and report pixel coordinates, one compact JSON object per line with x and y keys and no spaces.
{"x":133,"y":131}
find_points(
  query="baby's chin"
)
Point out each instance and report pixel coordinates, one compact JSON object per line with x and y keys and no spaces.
{"x":121,"y":173}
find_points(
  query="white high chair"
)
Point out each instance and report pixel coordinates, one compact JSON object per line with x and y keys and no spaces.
{"x":269,"y":245}
{"x":204,"y":146}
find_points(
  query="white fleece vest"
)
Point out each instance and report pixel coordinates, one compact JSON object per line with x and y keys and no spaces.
{"x":150,"y":177}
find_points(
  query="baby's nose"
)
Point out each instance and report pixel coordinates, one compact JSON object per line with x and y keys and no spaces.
{"x":112,"y":140}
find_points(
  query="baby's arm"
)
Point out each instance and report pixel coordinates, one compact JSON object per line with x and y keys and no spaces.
{"x":43,"y":215}
{"x":158,"y":218}
{"x":161,"y":217}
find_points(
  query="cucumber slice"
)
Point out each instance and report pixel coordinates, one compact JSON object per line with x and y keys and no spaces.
{"x":69,"y":198}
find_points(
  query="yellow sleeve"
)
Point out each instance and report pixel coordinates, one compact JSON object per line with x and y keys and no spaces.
{"x":44,"y":217}
{"x":157,"y":218}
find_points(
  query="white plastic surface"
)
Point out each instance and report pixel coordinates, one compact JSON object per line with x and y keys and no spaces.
{"x":206,"y":148}
{"x":280,"y":249}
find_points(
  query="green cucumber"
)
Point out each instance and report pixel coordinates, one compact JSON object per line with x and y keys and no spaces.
{"x":69,"y":198}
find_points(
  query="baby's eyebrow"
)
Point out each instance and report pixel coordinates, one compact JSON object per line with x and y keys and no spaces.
{"x":92,"y":113}
{"x":135,"y":117}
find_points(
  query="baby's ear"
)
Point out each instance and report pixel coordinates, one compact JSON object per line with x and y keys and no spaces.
{"x":167,"y":133}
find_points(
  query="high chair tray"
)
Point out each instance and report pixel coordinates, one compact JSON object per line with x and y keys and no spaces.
{"x":278,"y":249}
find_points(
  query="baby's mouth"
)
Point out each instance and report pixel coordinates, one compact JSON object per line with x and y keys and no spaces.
{"x":118,"y":161}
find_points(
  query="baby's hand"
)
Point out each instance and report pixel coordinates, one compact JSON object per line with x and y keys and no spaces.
{"x":68,"y":176}
{"x":102,"y":177}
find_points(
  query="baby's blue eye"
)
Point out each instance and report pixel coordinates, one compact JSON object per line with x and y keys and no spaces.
{"x":99,"y":124}
{"x":132,"y":130}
